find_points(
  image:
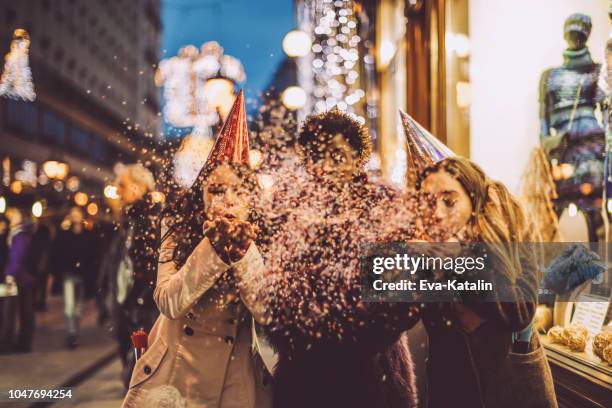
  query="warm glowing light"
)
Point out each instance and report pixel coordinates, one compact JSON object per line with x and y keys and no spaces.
{"x":459,"y":44}
{"x":158,"y":197}
{"x":572,"y":210}
{"x":464,"y":95}
{"x":65,"y":224}
{"x":608,"y":205}
{"x":266,"y":182}
{"x":73,"y":183}
{"x":586,"y":188}
{"x":55,"y":170}
{"x":16,"y":187}
{"x":81,"y":198}
{"x":297,"y":43}
{"x":110,"y":192}
{"x":567,"y":169}
{"x":255,"y":158}
{"x":294,"y":97}
{"x":2,"y":205}
{"x":92,"y":209}
{"x":386,"y":53}
{"x":37,"y":209}
{"x":219,"y":94}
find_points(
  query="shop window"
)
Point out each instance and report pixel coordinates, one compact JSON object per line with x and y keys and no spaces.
{"x":54,"y":128}
{"x":21,"y":117}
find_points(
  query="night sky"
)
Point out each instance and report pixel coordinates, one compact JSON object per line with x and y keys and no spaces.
{"x":251,"y":30}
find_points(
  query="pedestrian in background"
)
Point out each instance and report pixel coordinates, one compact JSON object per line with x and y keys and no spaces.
{"x":73,"y":261}
{"x":19,"y":271}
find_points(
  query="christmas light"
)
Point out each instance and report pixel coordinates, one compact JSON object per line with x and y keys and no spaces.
{"x":16,"y":79}
{"x":110,"y":192}
{"x":2,"y":205}
{"x":297,"y":43}
{"x":92,"y":209}
{"x":198,"y":84}
{"x":37,"y":209}
{"x":81,"y":199}
{"x":294,"y":97}
{"x":334,"y":65}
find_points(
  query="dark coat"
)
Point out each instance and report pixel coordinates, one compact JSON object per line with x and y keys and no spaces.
{"x":373,"y":370}
{"x":19,"y":263}
{"x":329,"y":355}
{"x":479,"y":369}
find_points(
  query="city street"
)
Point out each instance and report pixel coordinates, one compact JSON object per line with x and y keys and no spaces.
{"x":91,"y":370}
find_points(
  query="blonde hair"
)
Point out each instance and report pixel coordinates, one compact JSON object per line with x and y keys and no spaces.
{"x":498,"y":218}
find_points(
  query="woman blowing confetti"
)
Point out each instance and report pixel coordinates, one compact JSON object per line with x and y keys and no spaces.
{"x":200,"y":352}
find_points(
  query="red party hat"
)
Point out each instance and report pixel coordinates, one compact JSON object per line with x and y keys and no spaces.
{"x":232,"y":142}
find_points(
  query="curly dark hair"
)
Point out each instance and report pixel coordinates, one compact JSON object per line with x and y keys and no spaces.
{"x":185,"y":214}
{"x":318,"y":130}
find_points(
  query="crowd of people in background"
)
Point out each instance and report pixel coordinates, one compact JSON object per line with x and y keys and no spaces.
{"x":111,"y":261}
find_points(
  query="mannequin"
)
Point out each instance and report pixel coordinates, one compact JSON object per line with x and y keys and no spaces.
{"x":570,"y":133}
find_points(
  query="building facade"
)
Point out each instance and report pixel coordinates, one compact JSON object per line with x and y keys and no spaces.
{"x":92,"y":65}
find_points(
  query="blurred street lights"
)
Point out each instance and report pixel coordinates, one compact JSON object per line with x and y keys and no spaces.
{"x":294,"y":97}
{"x":55,"y":169}
{"x":37,"y":209}
{"x":199,"y":85}
{"x":297,"y":43}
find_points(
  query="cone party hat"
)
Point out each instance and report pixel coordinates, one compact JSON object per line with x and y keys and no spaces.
{"x":424,"y":149}
{"x":232,"y":144}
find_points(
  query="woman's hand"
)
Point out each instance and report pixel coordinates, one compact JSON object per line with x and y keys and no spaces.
{"x":217,"y":231}
{"x":230,"y":238}
{"x":242,"y":235}
{"x":468,"y":319}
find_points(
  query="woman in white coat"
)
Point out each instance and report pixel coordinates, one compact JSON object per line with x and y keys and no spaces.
{"x":202,"y":343}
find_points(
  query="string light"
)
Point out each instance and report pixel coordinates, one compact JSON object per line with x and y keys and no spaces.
{"x":296,"y":43}
{"x":294,"y":97}
{"x":184,"y":77}
{"x":335,"y":59}
{"x":111,"y":193}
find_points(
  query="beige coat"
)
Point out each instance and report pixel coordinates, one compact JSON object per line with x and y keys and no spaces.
{"x":205,"y":351}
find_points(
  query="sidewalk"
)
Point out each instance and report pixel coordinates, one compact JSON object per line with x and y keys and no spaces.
{"x":51,"y":365}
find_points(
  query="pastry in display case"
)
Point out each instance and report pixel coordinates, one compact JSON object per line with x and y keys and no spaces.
{"x":576,"y":332}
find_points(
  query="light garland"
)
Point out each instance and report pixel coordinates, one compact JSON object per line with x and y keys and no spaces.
{"x":16,"y":80}
{"x":335,"y":62}
{"x":183,"y":78}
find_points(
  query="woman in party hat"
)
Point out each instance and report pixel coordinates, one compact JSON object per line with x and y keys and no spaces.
{"x":481,"y":354}
{"x":202,"y":344}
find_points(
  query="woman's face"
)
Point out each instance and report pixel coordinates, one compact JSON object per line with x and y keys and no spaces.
{"x":451,"y":203}
{"x":224,"y":195}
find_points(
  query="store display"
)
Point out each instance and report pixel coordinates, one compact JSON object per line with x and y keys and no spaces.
{"x":602,"y":346}
{"x":574,"y":336}
{"x":570,"y":133}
